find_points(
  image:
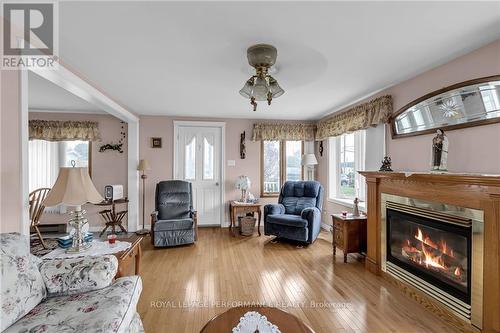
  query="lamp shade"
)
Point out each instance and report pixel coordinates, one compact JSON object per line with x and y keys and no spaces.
{"x":309,"y":159}
{"x":144,"y":165}
{"x":73,"y":187}
{"x":243,"y":183}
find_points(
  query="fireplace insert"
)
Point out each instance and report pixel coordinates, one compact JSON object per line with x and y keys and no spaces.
{"x":435,"y":250}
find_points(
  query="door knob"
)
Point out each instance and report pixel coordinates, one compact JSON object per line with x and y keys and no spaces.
{"x":217,"y":184}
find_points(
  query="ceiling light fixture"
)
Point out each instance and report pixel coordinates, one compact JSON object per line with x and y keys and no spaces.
{"x":261,"y":86}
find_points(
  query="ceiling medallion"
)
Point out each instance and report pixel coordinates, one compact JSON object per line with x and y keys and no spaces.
{"x":261,"y":86}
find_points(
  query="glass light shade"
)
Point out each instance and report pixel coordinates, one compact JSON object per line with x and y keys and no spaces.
{"x":246,"y":91}
{"x":275,"y":88}
{"x":260,"y":89}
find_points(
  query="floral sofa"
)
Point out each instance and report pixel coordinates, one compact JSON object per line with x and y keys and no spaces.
{"x":64,"y":295}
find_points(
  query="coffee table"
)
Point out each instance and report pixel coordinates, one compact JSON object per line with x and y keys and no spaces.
{"x":286,"y":322}
{"x":130,"y":255}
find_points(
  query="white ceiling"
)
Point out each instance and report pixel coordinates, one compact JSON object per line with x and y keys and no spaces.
{"x":45,"y":96}
{"x":189,"y":59}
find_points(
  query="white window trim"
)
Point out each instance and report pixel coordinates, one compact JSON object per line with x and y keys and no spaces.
{"x":348,"y":203}
{"x":283,"y":165}
{"x":359,"y":164}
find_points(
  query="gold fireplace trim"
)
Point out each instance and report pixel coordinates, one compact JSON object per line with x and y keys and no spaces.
{"x":447,"y":214}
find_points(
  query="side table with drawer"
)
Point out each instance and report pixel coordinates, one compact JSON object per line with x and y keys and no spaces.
{"x":349,"y":234}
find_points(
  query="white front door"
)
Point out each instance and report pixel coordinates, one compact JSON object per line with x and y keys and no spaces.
{"x":198,"y":160}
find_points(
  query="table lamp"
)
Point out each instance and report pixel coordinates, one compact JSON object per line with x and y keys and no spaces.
{"x":143,"y":166}
{"x":243,"y":183}
{"x":74,"y":187}
{"x":309,"y":160}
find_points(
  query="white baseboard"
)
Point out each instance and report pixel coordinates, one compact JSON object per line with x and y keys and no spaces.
{"x":325,"y":226}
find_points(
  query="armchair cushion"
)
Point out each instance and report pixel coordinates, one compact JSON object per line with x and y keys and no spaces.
{"x":295,"y":205}
{"x":173,"y":199}
{"x":176,"y":224}
{"x":288,"y":220}
{"x":22,"y":286}
{"x":272,"y":209}
{"x":110,"y":309}
{"x":78,"y":275}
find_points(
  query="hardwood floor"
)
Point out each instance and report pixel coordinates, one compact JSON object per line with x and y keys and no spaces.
{"x":184,"y":287}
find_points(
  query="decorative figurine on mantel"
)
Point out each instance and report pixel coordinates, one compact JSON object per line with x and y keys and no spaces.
{"x":355,"y":210}
{"x":440,"y":152}
{"x":386,"y":164}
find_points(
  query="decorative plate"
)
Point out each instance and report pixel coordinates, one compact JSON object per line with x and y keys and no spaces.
{"x":253,"y":322}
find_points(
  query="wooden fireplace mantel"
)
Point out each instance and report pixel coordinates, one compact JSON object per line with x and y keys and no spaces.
{"x":467,"y":190}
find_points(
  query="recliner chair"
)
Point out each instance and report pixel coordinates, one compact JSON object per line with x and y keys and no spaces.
{"x":174,"y":222}
{"x":297,"y":216}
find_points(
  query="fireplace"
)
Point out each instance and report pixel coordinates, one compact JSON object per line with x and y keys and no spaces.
{"x":436,"y":248}
{"x":438,"y":253}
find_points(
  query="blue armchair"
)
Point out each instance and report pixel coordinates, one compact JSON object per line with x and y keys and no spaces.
{"x":297,"y":216}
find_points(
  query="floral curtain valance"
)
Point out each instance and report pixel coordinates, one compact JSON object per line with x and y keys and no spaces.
{"x":52,"y":130}
{"x":297,"y":131}
{"x":360,"y":117}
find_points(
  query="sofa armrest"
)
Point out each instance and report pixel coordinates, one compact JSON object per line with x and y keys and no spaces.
{"x":78,"y":275}
{"x":273,"y":209}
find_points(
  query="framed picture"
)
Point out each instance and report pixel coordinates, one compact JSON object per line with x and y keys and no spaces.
{"x":155,"y":142}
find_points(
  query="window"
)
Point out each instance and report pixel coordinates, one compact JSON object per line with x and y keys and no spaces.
{"x":281,"y":161}
{"x":45,"y":158}
{"x":347,"y":156}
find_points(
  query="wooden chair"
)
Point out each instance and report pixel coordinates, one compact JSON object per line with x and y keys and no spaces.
{"x":36,"y":209}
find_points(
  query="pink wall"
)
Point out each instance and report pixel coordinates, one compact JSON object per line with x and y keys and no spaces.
{"x":473,"y":150}
{"x":109,"y":167}
{"x":161,"y":160}
{"x":11,"y":203}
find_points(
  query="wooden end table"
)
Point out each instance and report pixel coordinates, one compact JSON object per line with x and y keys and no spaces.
{"x":349,"y":234}
{"x":111,"y":217}
{"x":131,"y":255}
{"x":286,"y":322}
{"x":236,"y":208}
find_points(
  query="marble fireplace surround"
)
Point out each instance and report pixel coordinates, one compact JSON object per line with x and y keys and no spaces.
{"x":481,"y":192}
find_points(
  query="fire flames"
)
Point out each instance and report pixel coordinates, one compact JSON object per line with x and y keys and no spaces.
{"x":433,"y":255}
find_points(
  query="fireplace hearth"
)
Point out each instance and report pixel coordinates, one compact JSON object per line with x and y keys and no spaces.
{"x":435,"y":248}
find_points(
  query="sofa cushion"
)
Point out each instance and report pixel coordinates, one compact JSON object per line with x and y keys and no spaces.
{"x":111,"y":309}
{"x":288,"y":220}
{"x":22,"y":287}
{"x":177,"y":224}
{"x":78,"y":275}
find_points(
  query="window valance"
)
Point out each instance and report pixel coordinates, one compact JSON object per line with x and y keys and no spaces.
{"x":287,"y":131}
{"x":360,"y":117}
{"x":52,"y":130}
